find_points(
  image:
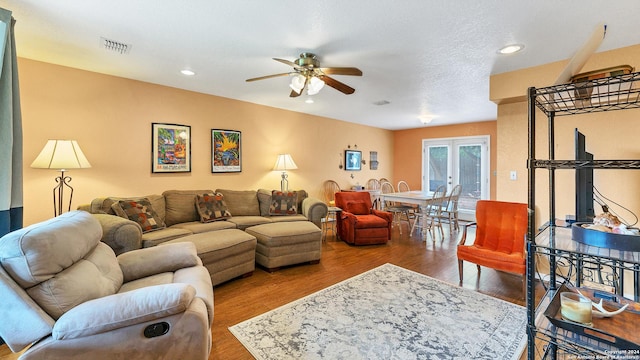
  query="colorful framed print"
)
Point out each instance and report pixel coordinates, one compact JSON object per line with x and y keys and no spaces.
{"x":353,"y":160}
{"x":226,"y":151}
{"x":170,"y":148}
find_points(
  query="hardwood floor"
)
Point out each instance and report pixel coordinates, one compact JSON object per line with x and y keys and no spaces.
{"x":241,"y":299}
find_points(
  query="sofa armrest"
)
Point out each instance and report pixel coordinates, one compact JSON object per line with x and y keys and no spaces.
{"x":383,"y":214}
{"x":120,"y":234}
{"x":463,"y":238}
{"x":145,"y":262}
{"x":121,"y":310}
{"x":314,"y":210}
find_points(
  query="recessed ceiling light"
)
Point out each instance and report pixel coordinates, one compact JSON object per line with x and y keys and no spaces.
{"x":187,"y":72}
{"x":426,"y":119}
{"x":309,"y":101}
{"x":510,"y":49}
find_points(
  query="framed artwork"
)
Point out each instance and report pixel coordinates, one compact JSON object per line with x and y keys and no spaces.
{"x":170,"y":148}
{"x":226,"y":151}
{"x":352,"y":160}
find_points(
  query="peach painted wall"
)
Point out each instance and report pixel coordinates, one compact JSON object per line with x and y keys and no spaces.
{"x":111,"y":119}
{"x":408,"y":149}
{"x":609,"y":136}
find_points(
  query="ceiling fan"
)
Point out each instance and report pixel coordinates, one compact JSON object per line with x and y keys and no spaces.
{"x":307,"y":73}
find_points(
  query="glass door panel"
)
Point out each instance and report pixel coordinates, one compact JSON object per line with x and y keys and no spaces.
{"x":438,"y":166}
{"x":463,"y":161}
{"x":469,"y":176}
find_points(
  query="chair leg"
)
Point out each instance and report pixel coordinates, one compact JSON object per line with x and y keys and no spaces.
{"x":455,"y":219}
{"x":460,"y":270}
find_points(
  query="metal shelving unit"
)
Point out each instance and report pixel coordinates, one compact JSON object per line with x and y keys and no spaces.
{"x":554,"y":242}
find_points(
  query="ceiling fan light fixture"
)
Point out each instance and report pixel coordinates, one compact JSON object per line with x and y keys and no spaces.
{"x":297,"y":83}
{"x":315,"y":85}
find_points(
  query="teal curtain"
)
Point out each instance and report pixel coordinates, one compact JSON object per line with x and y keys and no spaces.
{"x":10,"y":130}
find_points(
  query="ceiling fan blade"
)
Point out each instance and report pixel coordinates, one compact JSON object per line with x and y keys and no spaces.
{"x":267,"y":77}
{"x":344,"y":88}
{"x":341,"y":71}
{"x":290,"y":63}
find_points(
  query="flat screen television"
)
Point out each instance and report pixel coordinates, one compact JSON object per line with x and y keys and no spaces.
{"x":584,"y":182}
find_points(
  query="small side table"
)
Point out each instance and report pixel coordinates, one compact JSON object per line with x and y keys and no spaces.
{"x":329,"y":222}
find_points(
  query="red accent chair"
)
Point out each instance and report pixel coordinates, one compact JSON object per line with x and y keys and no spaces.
{"x":359,"y":223}
{"x":500,"y":238}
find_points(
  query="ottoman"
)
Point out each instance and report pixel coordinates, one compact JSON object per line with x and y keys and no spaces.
{"x":227,"y":254}
{"x":286,"y":243}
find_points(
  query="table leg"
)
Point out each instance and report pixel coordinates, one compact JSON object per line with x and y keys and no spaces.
{"x":425,"y":218}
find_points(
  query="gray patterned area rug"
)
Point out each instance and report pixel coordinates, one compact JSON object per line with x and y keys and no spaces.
{"x":388,"y":313}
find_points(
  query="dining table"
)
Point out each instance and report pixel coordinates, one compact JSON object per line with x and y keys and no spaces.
{"x":424,"y":200}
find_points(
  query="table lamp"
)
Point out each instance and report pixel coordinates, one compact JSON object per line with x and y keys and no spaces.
{"x":61,"y":155}
{"x":284,"y":163}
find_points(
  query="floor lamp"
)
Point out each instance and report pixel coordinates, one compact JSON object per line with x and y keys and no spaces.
{"x":284,"y":163}
{"x":61,"y":155}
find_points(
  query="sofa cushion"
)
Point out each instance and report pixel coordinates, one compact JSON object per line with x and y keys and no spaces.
{"x":264,"y":198}
{"x":181,"y":205}
{"x":243,"y":222}
{"x":283,"y":203}
{"x":197,"y":227}
{"x":241,"y":202}
{"x":61,"y":262}
{"x":140,"y":211}
{"x":357,"y":207}
{"x":154,"y":238}
{"x":211,"y":207}
{"x":290,"y":218}
{"x":103,"y":205}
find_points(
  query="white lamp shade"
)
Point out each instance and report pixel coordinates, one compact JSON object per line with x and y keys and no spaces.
{"x":297,"y":83}
{"x":315,"y":85}
{"x":61,"y":155}
{"x":284,"y":163}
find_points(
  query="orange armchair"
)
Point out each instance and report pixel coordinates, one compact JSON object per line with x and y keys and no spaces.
{"x":500,"y":236}
{"x":359,"y":223}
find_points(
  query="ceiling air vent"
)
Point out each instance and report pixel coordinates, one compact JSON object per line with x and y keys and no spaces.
{"x":115,"y":46}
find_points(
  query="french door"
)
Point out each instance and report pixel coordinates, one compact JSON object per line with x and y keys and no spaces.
{"x":454,"y":161}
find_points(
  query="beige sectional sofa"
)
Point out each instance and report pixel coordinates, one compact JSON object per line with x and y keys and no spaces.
{"x":177,"y":218}
{"x":177,"y":210}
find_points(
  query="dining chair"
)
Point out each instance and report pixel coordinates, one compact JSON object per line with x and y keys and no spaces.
{"x":449,"y":210}
{"x":499,"y":238}
{"x":403,"y":186}
{"x":395,"y":208}
{"x":373,"y":184}
{"x":429,"y":220}
{"x":329,"y":190}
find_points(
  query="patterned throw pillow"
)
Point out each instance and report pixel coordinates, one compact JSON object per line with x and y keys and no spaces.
{"x":283,"y":203}
{"x":212,"y":207}
{"x":140,"y":211}
{"x":357,"y":208}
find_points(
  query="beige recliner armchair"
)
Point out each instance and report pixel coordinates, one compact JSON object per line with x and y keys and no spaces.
{"x":65,"y":295}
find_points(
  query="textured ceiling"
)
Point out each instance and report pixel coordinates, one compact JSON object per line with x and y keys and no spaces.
{"x":425,"y":57}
